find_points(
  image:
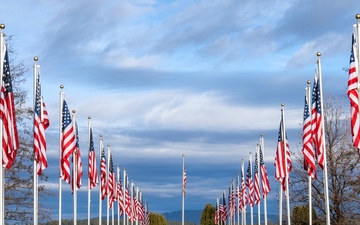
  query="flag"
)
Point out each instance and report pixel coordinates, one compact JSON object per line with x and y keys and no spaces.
{"x":147,"y":220}
{"x":282,"y":168}
{"x":68,"y":142}
{"x":78,"y":163}
{"x":256,"y":182}
{"x":139,"y":208}
{"x":224,"y":212}
{"x":250,"y":186}
{"x":353,"y":94}
{"x":103,"y":170}
{"x":316,"y":122}
{"x":243,"y":192}
{"x":41,"y":123}
{"x":111,"y":183}
{"x":308,"y":150}
{"x":217,"y":214}
{"x":93,"y":175}
{"x":184,"y":182}
{"x":10,"y":138}
{"x":120,"y":196}
{"x":264,"y":176}
{"x":128,"y":208}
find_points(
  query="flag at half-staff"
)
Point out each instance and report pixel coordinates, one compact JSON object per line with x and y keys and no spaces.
{"x":353,"y":93}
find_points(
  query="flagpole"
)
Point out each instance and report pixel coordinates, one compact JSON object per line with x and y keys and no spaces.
{"x":307,"y":94}
{"x":118,"y":179}
{"x":250,"y":196}
{"x":286,"y":166}
{"x":107,"y":182}
{"x":60,"y":150}
{"x":100,"y":188}
{"x":35,"y":164}
{"x":262,"y":148}
{"x":124,"y":196}
{"x":259,"y":169}
{"x":238,"y":199}
{"x":326,"y":190}
{"x":89,"y":196}
{"x":2,"y":53}
{"x":182,"y":195}
{"x":244,"y":205}
{"x":74,"y":185}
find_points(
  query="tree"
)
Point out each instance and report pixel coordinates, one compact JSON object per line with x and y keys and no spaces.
{"x":18,"y":181}
{"x":343,"y":172}
{"x":157,"y":219}
{"x":300,"y":215}
{"x":208,"y":215}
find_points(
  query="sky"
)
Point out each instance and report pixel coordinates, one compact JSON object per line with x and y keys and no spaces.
{"x":165,"y":78}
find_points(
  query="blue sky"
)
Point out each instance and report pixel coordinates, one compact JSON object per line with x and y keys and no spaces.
{"x":166,"y":78}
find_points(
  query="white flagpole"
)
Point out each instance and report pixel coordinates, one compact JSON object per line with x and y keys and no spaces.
{"x":138,"y":200}
{"x":280,"y":204}
{"x":238,"y":199}
{"x":75,"y":169}
{"x":124,"y":196}
{"x":307,"y":94}
{"x":100,"y":188}
{"x":89,"y":195}
{"x":182,"y":195}
{"x":262,"y":148}
{"x":286,"y":166}
{"x":244,"y":207}
{"x":118,"y":179}
{"x":251,"y":207}
{"x":107,"y":182}
{"x":259,"y":182}
{"x":326,"y":189}
{"x":35,"y":164}
{"x":2,"y":53}
{"x":60,"y":150}
{"x":132,"y":200}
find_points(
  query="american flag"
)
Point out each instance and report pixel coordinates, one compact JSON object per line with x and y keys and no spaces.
{"x":264,"y":176}
{"x":139,"y":208}
{"x":41,"y":123}
{"x":146,"y":219}
{"x":217,"y":214}
{"x":249,"y":184}
{"x":256,"y":182}
{"x":224,"y":212}
{"x":68,"y":142}
{"x":243,"y":192}
{"x":128,"y":208}
{"x":111,"y":183}
{"x":316,"y":122}
{"x":184,"y":182}
{"x":282,"y":168}
{"x":353,"y":95}
{"x":134,"y":205}
{"x":308,"y":150}
{"x":78,"y":163}
{"x":103,"y":180}
{"x":93,"y":174}
{"x":120,"y":196}
{"x":10,"y":138}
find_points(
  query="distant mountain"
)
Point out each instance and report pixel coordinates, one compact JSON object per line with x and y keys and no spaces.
{"x":194,"y":216}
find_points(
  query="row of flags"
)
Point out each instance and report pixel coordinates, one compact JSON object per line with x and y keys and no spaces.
{"x":248,"y":190}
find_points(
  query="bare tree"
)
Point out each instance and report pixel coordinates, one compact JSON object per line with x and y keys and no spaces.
{"x":343,"y":171}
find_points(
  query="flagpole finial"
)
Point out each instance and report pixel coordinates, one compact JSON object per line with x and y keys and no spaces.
{"x":73,"y":111}
{"x":318,"y":54}
{"x":61,"y":86}
{"x":262,"y":135}
{"x":36,"y":58}
{"x":308,"y":82}
{"x":89,"y":117}
{"x":357,"y":16}
{"x":2,"y":26}
{"x":101,"y":135}
{"x":282,"y":104}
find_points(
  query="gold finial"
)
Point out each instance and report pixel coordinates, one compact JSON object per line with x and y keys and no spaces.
{"x":74,"y":111}
{"x":61,"y":86}
{"x":318,"y":54}
{"x":357,"y":16}
{"x":282,"y":104}
{"x":89,"y":117}
{"x":101,"y":135}
{"x":2,"y":26}
{"x":36,"y":58}
{"x":308,"y":82}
